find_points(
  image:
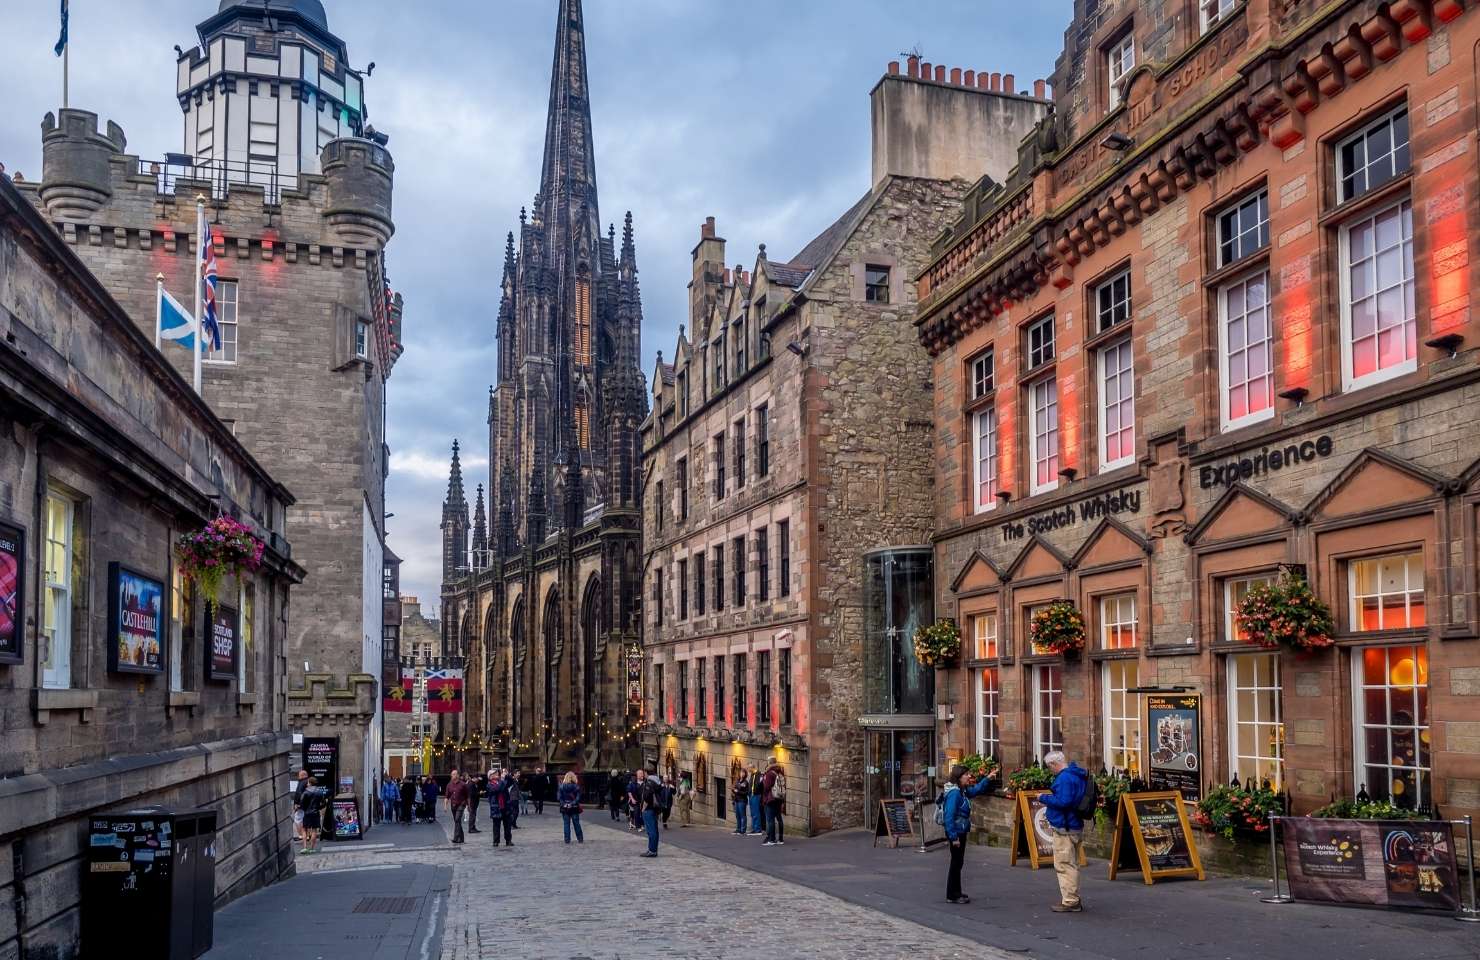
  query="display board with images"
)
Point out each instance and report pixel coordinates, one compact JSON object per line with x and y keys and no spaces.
{"x":895,"y":822}
{"x":1154,"y":836}
{"x":1175,"y":722}
{"x":135,"y":621}
{"x":1032,"y":834}
{"x":321,"y":760}
{"x":224,"y":645}
{"x":12,"y":593}
{"x":346,"y":812}
{"x":1386,"y":863}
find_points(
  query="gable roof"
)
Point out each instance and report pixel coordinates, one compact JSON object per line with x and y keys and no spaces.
{"x":787,"y":274}
{"x":826,"y":244}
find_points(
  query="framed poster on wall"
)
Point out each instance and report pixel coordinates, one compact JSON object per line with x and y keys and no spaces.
{"x":135,"y":621}
{"x":12,"y":593}
{"x":224,"y":646}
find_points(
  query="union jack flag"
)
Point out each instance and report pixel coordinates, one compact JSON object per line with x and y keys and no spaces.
{"x":210,"y":321}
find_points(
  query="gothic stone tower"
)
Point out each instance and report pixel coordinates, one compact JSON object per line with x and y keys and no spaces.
{"x":547,"y":611}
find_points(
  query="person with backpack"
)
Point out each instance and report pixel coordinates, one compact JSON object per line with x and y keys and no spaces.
{"x":500,"y":806}
{"x":953,"y":813}
{"x":773,"y":786}
{"x":650,"y":800}
{"x":390,"y":800}
{"x":1071,"y":802}
{"x":740,"y":797}
{"x":569,"y":798}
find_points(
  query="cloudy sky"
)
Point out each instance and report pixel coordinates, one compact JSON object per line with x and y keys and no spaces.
{"x":754,"y":113}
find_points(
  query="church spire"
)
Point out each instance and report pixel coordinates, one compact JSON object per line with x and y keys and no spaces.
{"x":454,"y":523}
{"x":570,"y":157}
{"x":480,"y":530}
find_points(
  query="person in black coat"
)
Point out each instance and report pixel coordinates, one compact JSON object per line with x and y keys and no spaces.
{"x":616,"y":794}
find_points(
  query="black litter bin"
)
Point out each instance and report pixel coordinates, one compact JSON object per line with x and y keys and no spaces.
{"x":150,"y":883}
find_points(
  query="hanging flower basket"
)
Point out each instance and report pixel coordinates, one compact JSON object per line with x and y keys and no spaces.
{"x":1284,"y":613}
{"x":222,"y":547}
{"x":938,"y":643}
{"x":1057,"y":629}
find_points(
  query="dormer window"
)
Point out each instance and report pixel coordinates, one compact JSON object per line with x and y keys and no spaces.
{"x":1120,"y":60}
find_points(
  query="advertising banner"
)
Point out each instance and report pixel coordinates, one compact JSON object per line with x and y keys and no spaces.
{"x":321,"y":760}
{"x":135,"y":621}
{"x":1175,"y":722}
{"x":12,"y":592}
{"x":225,"y":642}
{"x":1385,"y":863}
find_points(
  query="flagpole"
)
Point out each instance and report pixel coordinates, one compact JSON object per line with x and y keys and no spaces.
{"x":158,"y":307}
{"x":200,"y":238}
{"x":66,"y":59}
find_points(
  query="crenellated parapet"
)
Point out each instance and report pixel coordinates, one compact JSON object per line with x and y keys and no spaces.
{"x":76,"y":168}
{"x":360,"y":174}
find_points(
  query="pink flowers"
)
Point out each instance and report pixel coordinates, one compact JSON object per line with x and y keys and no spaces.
{"x":222,"y":546}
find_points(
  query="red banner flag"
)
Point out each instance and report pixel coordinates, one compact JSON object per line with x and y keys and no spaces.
{"x":398,"y":692}
{"x":444,"y":691}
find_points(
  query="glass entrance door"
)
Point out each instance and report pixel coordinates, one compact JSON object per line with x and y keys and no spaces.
{"x":897,"y":767}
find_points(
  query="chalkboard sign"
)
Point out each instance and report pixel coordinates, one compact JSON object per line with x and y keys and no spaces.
{"x":894,"y":821}
{"x":1152,"y":835}
{"x":1032,"y":836}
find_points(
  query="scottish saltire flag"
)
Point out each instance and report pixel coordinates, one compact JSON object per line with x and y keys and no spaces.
{"x":210,"y":327}
{"x":62,"y":40}
{"x":174,"y":322}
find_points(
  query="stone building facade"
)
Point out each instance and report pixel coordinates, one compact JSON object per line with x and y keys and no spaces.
{"x":543,"y":606}
{"x":790,"y":438}
{"x":421,"y":643}
{"x":107,"y":458}
{"x":310,"y":329}
{"x":1215,"y":329}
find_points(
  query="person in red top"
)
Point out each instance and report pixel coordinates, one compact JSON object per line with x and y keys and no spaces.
{"x":457,"y":803}
{"x":773,"y":786}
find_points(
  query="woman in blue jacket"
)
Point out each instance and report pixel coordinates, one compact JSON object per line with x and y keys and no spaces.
{"x":960,"y":788}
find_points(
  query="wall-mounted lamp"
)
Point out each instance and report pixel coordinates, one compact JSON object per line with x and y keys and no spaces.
{"x":796,"y":348}
{"x":1449,"y":342}
{"x":1115,"y":140}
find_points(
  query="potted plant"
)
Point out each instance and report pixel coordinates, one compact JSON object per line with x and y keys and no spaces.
{"x":1287,"y":613}
{"x":938,"y":643}
{"x":1362,"y":809}
{"x":1058,"y":628}
{"x":1234,"y":812}
{"x":1035,"y":777}
{"x":223,"y":546}
{"x":1111,"y":787}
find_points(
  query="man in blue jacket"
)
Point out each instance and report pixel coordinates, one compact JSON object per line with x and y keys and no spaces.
{"x":1062,"y":809}
{"x":956,"y":817}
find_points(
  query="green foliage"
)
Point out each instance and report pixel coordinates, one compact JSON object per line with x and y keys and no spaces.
{"x":1368,"y":810}
{"x":1229,"y":811}
{"x":1058,"y":628}
{"x":1035,"y":777}
{"x":1111,"y":787}
{"x":978,"y":765}
{"x":938,"y":643}
{"x":1286,"y":612}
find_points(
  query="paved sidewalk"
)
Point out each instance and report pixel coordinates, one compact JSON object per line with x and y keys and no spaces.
{"x":1124,"y":920}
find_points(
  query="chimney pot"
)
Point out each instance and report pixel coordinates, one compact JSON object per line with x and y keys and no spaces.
{"x":983,"y":80}
{"x":1009,"y":83}
{"x":893,"y":68}
{"x":969,"y":80}
{"x":940,"y":73}
{"x":914,"y":65}
{"x":927,"y":72}
{"x":955,"y":76}
{"x":996,"y":82}
{"x":1038,"y":88}
{"x":707,"y":231}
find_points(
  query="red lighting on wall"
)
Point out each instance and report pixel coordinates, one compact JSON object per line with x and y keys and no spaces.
{"x":1449,"y":261}
{"x":1069,"y":422}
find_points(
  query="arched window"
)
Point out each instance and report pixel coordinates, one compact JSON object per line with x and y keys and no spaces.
{"x":591,"y":629}
{"x":553,"y":650}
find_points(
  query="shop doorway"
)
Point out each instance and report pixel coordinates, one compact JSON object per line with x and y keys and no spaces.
{"x":898,"y":766}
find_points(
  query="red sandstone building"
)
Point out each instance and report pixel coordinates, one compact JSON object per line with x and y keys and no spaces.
{"x":1217,"y":323}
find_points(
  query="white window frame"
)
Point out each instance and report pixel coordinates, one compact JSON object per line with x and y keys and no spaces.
{"x":1397,"y":167}
{"x":985,"y":479}
{"x":1258,"y":227}
{"x":1408,"y":284}
{"x":988,"y":712}
{"x":1043,"y":396}
{"x":56,"y":673}
{"x":228,"y":317}
{"x":1214,"y":12}
{"x":1118,"y":677}
{"x":1409,"y":589}
{"x":362,"y":340}
{"x":178,"y":612}
{"x":983,"y":374}
{"x":1119,"y":610}
{"x":247,"y":607}
{"x":1120,"y":60}
{"x":1044,"y":329}
{"x":1122,"y":356}
{"x":1230,"y":601}
{"x":984,"y":633}
{"x":1360,"y":728}
{"x":1224,"y":386}
{"x":1264,"y":727}
{"x":1043,"y":675}
{"x":1113,"y":302}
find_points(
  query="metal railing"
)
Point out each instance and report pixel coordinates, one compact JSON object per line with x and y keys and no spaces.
{"x":221,"y":175}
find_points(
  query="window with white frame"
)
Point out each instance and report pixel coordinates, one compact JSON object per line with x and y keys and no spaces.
{"x":1256,"y":734}
{"x":248,"y":639}
{"x":1040,"y":342}
{"x":1048,"y":709}
{"x":988,"y":720}
{"x":1246,"y":351}
{"x":1234,"y":591}
{"x":1386,"y":592}
{"x":1391,"y":726}
{"x":1043,"y":435}
{"x":1243,"y":228}
{"x":1121,"y":58}
{"x":362,"y":339}
{"x":983,"y":374}
{"x":227,"y":317}
{"x":984,"y":480}
{"x":1214,"y":12}
{"x":1028,"y":613}
{"x":1118,"y":627}
{"x":1113,"y":301}
{"x":56,"y":613}
{"x":1122,"y":715}
{"x":984,"y":635}
{"x":1372,"y":156}
{"x":179,"y":615}
{"x":1379,"y":319}
{"x":1117,"y":389}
